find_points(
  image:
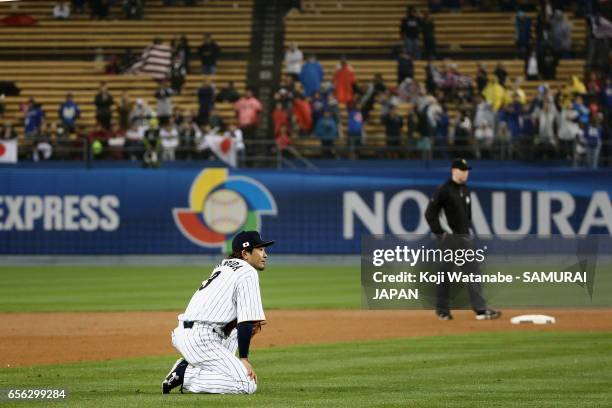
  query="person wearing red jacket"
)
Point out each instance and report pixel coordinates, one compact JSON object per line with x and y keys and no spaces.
{"x":344,"y":82}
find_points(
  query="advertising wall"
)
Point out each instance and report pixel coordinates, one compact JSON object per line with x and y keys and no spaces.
{"x":186,"y":211}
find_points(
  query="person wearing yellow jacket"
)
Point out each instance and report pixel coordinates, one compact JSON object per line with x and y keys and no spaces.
{"x":494,"y":93}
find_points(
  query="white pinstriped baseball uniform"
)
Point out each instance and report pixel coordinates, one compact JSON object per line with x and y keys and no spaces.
{"x":231,"y":293}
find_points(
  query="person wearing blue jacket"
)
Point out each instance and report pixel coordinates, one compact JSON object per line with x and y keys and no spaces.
{"x":311,"y":76}
{"x":326,"y":129}
{"x":69,"y":113}
{"x":33,"y":118}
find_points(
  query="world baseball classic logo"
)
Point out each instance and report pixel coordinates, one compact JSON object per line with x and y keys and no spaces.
{"x":220,"y":206}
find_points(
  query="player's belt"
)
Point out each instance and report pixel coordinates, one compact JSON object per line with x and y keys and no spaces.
{"x":189,"y":325}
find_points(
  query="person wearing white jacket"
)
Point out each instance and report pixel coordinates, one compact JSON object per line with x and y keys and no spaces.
{"x":546,"y":140}
{"x":293,"y":61}
{"x":568,"y":132}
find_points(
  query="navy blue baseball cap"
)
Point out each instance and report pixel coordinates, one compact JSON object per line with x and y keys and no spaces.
{"x":247,"y":240}
{"x":461,"y":164}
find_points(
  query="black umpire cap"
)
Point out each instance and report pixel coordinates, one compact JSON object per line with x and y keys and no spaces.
{"x":248,"y":240}
{"x":461,"y":164}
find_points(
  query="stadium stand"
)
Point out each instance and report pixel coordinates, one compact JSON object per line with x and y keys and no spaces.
{"x":54,"y":57}
{"x":361,"y":26}
{"x":228,"y":21}
{"x":366,"y":69}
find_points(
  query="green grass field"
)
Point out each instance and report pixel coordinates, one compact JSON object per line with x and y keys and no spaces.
{"x":101,"y":288}
{"x":512,"y":369}
{"x":485,"y":370}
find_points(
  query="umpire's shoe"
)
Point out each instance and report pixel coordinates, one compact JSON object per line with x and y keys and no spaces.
{"x":488,"y":314}
{"x":175,"y":376}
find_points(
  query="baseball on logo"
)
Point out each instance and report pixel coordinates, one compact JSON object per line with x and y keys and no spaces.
{"x":225,"y":211}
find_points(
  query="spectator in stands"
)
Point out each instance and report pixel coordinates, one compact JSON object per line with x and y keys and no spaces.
{"x":593,"y":135}
{"x":393,"y":123}
{"x":484,"y":112}
{"x":429,"y":36}
{"x":569,"y":132}
{"x":189,"y":136}
{"x":43,"y":143}
{"x":370,"y":95}
{"x":133,"y":9}
{"x":34,"y":118}
{"x":99,"y":9}
{"x":7,"y":131}
{"x":501,"y":73}
{"x":215,"y":121}
{"x":410,"y":30}
{"x":561,"y":34}
{"x":440,"y":141}
{"x":248,"y":109}
{"x":183,"y":51}
{"x":484,"y":140}
{"x":522,"y":26}
{"x":163,"y":95}
{"x":61,"y":11}
{"x":311,"y":76}
{"x":581,"y":109}
{"x":326,"y":130}
{"x":405,"y":67}
{"x":282,"y":138}
{"x":511,"y":115}
{"x":293,"y":61}
{"x":97,"y":138}
{"x":280,"y":117}
{"x":494,"y":94}
{"x":318,"y":105}
{"x":152,"y":144}
{"x":206,"y":100}
{"x":482,"y":77}
{"x":503,"y":140}
{"x":545,"y":141}
{"x":236,"y":135}
{"x":124,"y":109}
{"x":355,"y":122}
{"x":532,"y":70}
{"x":112,"y":67}
{"x":515,"y":91}
{"x":463,"y":135}
{"x":228,"y":94}
{"x":69,"y":113}
{"x":116,"y":142}
{"x":344,"y":82}
{"x":209,"y":52}
{"x":302,"y":113}
{"x":78,"y":6}
{"x":104,"y":102}
{"x":178,"y":72}
{"x":140,"y":114}
{"x":169,"y":138}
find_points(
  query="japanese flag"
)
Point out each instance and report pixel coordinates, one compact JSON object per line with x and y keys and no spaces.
{"x":8,"y":151}
{"x":223,"y":147}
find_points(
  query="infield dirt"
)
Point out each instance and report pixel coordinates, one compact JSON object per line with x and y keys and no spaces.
{"x":54,"y":338}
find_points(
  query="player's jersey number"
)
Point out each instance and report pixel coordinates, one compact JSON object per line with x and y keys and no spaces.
{"x":209,"y":280}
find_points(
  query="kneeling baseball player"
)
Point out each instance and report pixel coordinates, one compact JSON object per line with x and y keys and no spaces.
{"x":222,"y":317}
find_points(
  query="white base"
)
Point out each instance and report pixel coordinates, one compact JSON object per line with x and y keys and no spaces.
{"x":534,"y":319}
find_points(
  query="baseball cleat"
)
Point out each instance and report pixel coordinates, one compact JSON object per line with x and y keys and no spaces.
{"x":175,"y":376}
{"x":488,"y":314}
{"x":444,"y":316}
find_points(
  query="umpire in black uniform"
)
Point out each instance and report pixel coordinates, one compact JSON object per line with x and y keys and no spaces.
{"x":453,"y":197}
